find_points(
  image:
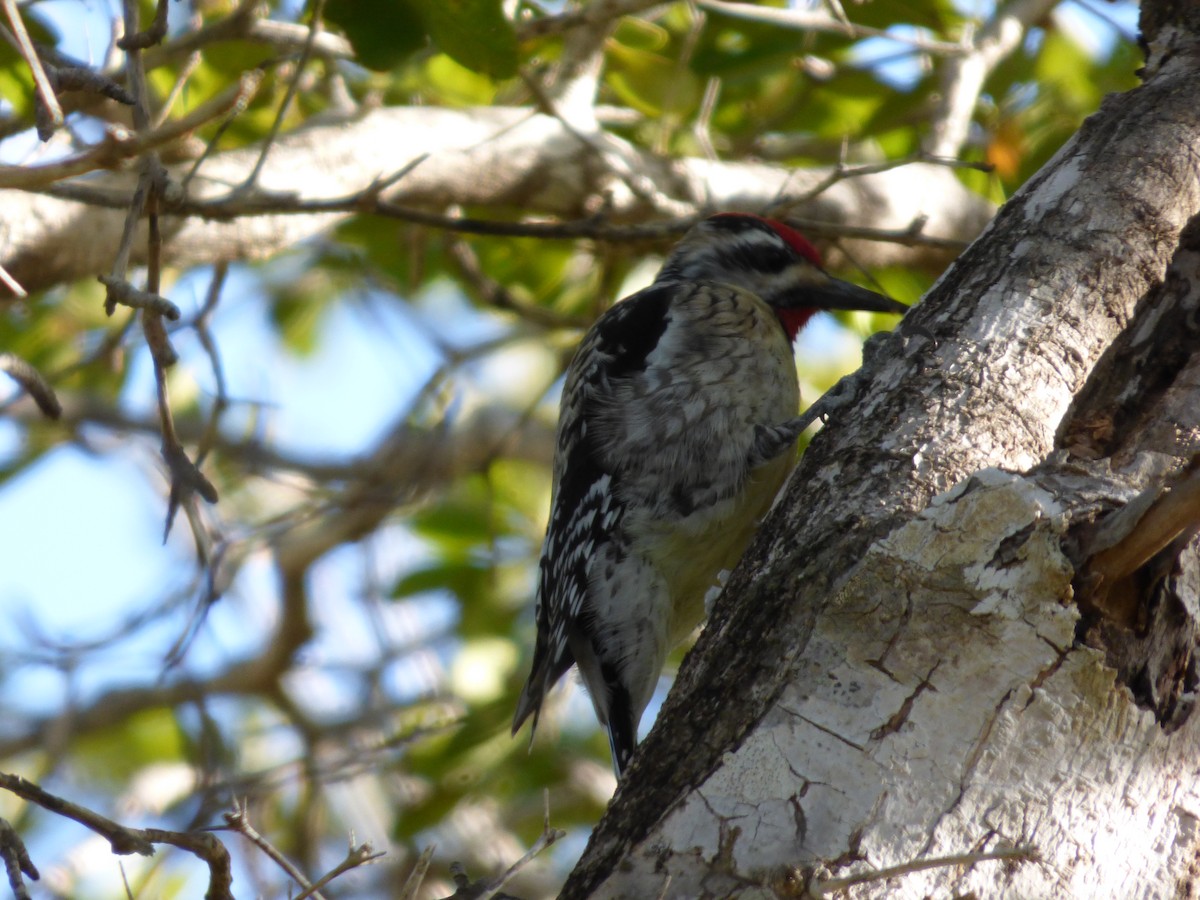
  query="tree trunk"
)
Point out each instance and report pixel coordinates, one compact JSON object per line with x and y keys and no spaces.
{"x":971,"y":623}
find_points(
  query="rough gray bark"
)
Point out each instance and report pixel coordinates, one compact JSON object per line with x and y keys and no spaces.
{"x":899,"y":670}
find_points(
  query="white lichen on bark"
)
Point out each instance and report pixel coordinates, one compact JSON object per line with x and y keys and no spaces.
{"x":966,"y":722}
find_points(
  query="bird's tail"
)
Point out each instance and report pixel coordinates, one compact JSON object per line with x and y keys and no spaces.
{"x":530,"y":702}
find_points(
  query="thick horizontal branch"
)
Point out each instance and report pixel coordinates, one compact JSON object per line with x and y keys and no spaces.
{"x":495,"y":158}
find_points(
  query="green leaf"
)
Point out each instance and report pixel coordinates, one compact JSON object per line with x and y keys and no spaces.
{"x":458,"y":85}
{"x":651,"y":83}
{"x":384,"y":32}
{"x":116,"y":755}
{"x":466,"y":580}
{"x":474,"y":33}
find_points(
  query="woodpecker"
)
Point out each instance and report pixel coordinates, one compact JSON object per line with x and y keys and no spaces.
{"x":677,"y":429}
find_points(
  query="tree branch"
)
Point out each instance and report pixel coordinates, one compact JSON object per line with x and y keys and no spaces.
{"x":125,"y":840}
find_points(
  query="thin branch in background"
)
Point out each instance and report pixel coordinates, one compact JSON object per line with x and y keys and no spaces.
{"x":412,"y":884}
{"x":256,"y":675}
{"x":702,"y":129}
{"x":151,"y":36}
{"x":11,"y":283}
{"x":490,"y":887}
{"x":237,"y":820}
{"x":204,"y":335}
{"x":121,"y":292}
{"x":1103,"y":15}
{"x":357,"y":855}
{"x":843,"y":172}
{"x":586,"y":15}
{"x":376,"y":188}
{"x":124,"y":840}
{"x":49,"y":112}
{"x":314,"y":28}
{"x":209,"y":559}
{"x":34,"y":384}
{"x":121,"y":263}
{"x":832,"y":886}
{"x":185,"y":72}
{"x":912,"y":236}
{"x":809,"y":20}
{"x":668,"y":120}
{"x":595,"y":227}
{"x":16,"y":861}
{"x":468,"y":267}
{"x":119,"y":144}
{"x":611,"y":153}
{"x":247,"y":87}
{"x":839,"y":13}
{"x":186,"y":478}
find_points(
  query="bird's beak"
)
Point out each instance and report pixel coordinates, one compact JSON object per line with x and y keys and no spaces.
{"x":827,"y":292}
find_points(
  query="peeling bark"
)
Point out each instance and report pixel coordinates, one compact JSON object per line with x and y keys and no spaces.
{"x":899,"y":671}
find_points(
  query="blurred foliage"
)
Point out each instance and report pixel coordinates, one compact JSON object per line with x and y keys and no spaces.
{"x":405,"y":727}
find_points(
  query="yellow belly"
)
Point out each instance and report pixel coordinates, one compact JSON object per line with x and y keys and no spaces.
{"x":692,"y":557}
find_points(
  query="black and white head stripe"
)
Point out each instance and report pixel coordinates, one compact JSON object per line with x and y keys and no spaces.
{"x":726,"y":244}
{"x":746,"y":223}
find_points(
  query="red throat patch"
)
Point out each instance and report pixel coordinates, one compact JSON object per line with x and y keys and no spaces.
{"x":794,"y":319}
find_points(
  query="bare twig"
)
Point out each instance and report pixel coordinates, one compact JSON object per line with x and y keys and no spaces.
{"x":579,"y":121}
{"x":251,"y":80}
{"x":248,"y":22}
{"x":811,"y":20}
{"x":152,"y":35}
{"x":11,"y":283}
{"x":357,"y":855}
{"x":595,"y":227}
{"x":50,"y":115}
{"x":119,"y":144}
{"x":34,"y":384}
{"x":123,"y":293}
{"x":843,"y":172}
{"x":412,"y":884}
{"x":587,"y":15}
{"x":670,"y":118}
{"x":254,"y":676}
{"x":81,"y":78}
{"x":490,"y":887}
{"x":702,"y":129}
{"x":16,"y":861}
{"x":185,"y":477}
{"x":831,"y":886}
{"x":239,"y":821}
{"x":124,"y":840}
{"x":185,"y":72}
{"x":314,"y":28}
{"x":469,"y":269}
{"x":204,"y":335}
